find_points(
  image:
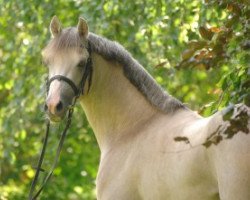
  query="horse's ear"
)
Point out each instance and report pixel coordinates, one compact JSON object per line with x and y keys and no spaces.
{"x":55,"y":26}
{"x":82,"y":27}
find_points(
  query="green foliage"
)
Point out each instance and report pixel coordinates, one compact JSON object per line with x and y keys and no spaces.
{"x":224,"y":45}
{"x":199,"y":52}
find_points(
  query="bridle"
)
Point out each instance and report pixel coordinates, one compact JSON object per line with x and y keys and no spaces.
{"x":65,"y":79}
{"x":78,"y":91}
{"x":86,"y":75}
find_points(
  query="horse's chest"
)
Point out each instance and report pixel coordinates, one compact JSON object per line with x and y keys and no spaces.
{"x":154,"y":176}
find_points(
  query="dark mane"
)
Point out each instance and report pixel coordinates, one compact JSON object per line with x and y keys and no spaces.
{"x":69,"y":38}
{"x":135,"y":73}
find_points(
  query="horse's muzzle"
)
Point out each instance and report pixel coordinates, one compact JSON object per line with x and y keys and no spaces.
{"x":56,"y":109}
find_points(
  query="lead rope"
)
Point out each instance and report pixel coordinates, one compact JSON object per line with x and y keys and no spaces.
{"x":86,"y":76}
{"x":59,"y":149}
{"x":40,"y":161}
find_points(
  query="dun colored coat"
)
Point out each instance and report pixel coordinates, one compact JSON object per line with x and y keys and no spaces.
{"x":136,"y":123}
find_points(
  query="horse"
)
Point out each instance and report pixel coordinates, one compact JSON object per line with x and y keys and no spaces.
{"x":136,"y":124}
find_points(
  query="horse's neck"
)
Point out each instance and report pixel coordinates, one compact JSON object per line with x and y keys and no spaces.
{"x":113,"y":106}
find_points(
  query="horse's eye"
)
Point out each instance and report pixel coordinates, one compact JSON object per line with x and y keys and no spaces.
{"x":81,"y":64}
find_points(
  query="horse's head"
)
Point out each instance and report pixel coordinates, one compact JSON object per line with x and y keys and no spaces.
{"x":66,"y":57}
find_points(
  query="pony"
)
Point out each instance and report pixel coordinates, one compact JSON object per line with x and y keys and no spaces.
{"x":136,"y":124}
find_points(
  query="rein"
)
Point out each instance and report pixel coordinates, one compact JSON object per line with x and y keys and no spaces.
{"x":87,"y":75}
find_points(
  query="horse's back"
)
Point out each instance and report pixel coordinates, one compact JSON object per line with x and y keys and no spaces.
{"x":221,"y":171}
{"x":231,"y":160}
{"x":154,"y":165}
{"x":172,"y":169}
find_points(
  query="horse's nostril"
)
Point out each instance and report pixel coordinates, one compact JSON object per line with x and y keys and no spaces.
{"x":59,"y":106}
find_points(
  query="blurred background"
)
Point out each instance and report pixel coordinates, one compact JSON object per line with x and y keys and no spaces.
{"x":197,"y":50}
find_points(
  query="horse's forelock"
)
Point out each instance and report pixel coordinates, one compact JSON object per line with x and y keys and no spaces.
{"x":68,"y":39}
